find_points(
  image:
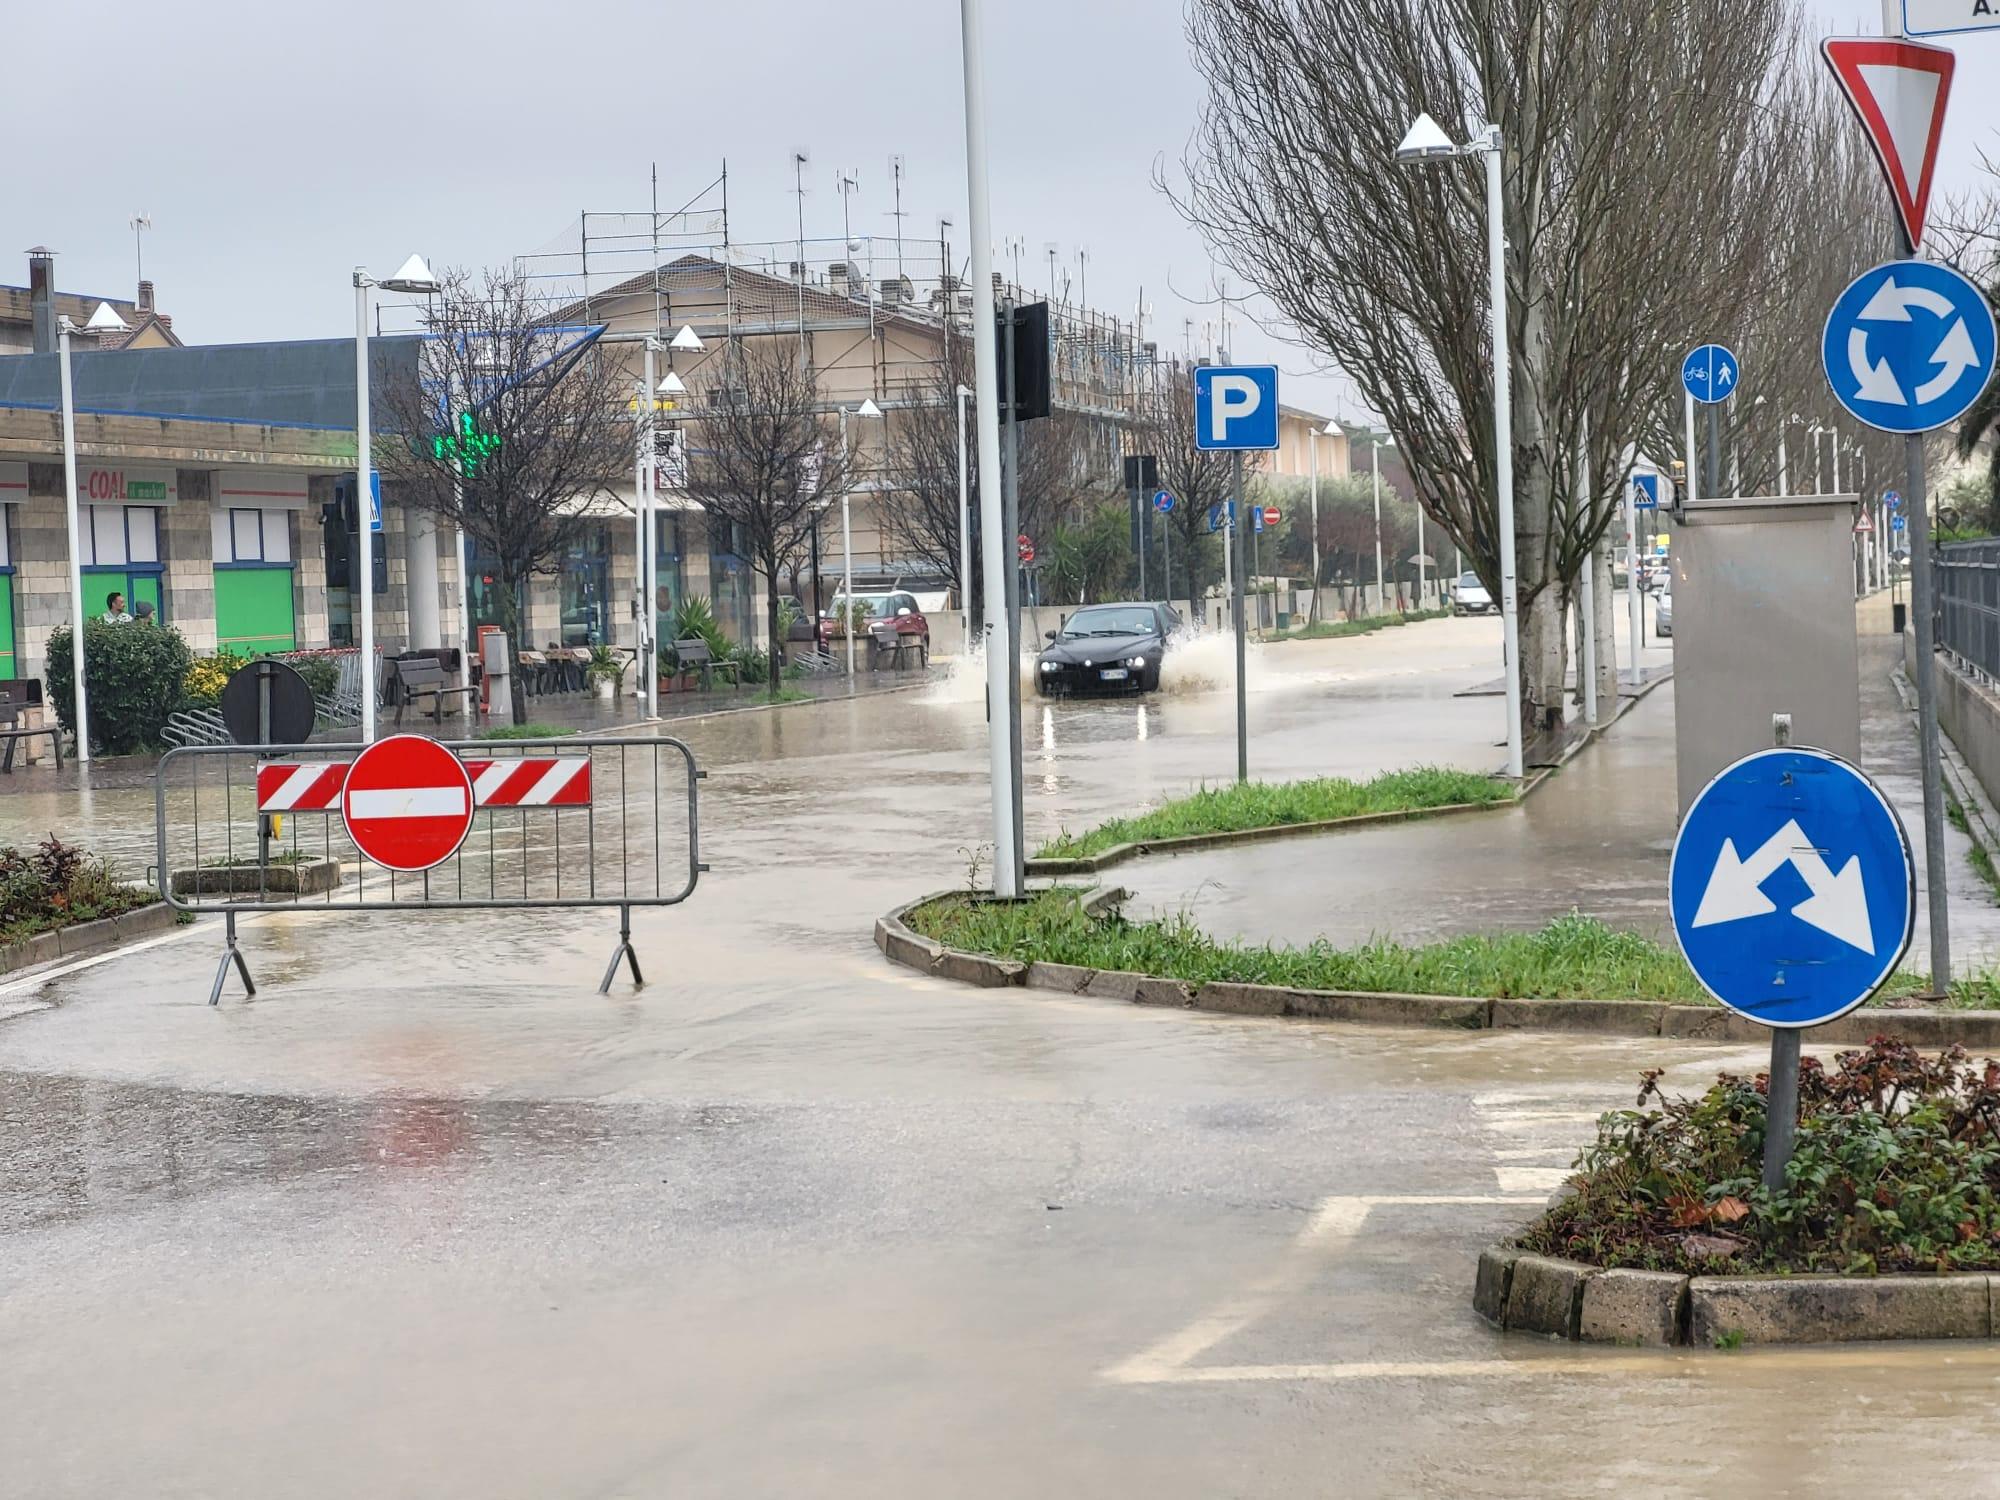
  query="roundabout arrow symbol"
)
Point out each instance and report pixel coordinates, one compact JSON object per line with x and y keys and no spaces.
{"x":1956,"y":355}
{"x":1873,"y":382}
{"x":1892,"y":303}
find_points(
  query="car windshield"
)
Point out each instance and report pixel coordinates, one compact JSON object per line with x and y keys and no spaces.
{"x":877,"y":606}
{"x":1112,"y":619}
{"x":1469,"y":581}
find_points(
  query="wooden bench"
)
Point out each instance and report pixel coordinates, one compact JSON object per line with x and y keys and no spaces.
{"x":13,"y":731}
{"x":422,"y":677}
{"x":693,"y":656}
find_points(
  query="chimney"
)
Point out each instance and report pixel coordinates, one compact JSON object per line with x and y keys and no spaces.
{"x":145,"y":296}
{"x":42,"y":297}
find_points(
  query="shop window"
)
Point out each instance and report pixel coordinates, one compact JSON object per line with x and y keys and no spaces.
{"x":252,"y":536}
{"x":114,"y":535}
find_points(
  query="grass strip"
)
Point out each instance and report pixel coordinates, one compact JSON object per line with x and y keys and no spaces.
{"x":1333,"y":630}
{"x":1574,"y":957}
{"x":519,"y":731}
{"x":1261,"y":804}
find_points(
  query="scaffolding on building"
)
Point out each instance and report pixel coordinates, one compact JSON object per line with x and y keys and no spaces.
{"x":899,"y":305}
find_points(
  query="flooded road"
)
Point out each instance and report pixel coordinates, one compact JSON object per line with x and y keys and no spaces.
{"x":428,"y":1216}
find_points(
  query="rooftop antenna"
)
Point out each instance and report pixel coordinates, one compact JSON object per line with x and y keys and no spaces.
{"x":1082,"y":276}
{"x":1051,"y":249}
{"x":801,"y":157}
{"x":896,"y":175}
{"x":849,"y":183}
{"x":140,"y":224}
{"x":1014,"y":246}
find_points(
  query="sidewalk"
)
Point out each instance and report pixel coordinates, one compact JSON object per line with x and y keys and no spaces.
{"x":1597,"y":839}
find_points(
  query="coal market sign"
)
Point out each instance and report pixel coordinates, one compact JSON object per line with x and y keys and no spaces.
{"x":118,"y":485}
{"x":1944,"y":17}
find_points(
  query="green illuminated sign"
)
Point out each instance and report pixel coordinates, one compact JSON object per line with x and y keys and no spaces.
{"x":467,"y":447}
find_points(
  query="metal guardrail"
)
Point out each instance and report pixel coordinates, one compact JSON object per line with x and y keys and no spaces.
{"x":1968,"y":606}
{"x":242,"y":828}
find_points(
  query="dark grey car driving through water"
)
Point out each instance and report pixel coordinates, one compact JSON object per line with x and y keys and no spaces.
{"x":1107,"y":648}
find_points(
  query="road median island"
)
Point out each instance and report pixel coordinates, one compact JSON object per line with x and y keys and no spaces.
{"x":1249,"y":812}
{"x":1576,"y":974}
{"x":1887,"y":1226}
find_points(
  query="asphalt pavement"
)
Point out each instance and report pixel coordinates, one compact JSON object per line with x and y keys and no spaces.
{"x":430,"y":1217}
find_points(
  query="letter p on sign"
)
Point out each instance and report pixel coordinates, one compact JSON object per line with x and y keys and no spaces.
{"x":1235,"y":406}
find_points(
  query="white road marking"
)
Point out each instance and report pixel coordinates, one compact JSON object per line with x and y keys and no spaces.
{"x":1337,"y":1220}
{"x":1531,"y":1179}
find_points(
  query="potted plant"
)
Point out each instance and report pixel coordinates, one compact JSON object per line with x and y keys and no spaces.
{"x":604,"y":671}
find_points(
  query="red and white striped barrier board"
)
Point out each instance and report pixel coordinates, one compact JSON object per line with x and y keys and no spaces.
{"x":523,"y":781}
{"x":531,"y":781}
{"x":313,"y":786}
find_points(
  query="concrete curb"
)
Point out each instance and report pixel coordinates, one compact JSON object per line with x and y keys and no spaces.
{"x":1974,"y":1029}
{"x":88,"y":937}
{"x":1565,"y":1299}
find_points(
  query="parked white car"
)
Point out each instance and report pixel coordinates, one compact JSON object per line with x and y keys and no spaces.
{"x":1470,"y":596}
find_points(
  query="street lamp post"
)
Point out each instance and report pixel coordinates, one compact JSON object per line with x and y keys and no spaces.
{"x":1375,"y":439}
{"x":1000,"y":661}
{"x":82,"y":714}
{"x":1330,"y":427}
{"x":866,"y":409}
{"x":964,"y":534}
{"x":1424,"y":142}
{"x":413,"y":277}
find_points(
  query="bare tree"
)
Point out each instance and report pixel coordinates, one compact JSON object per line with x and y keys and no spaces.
{"x":507,"y":429}
{"x":1662,"y":173}
{"x":1196,"y":480}
{"x":1065,"y":471}
{"x":764,"y":456}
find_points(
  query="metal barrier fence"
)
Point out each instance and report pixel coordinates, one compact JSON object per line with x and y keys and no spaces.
{"x":567,"y":822}
{"x":1968,"y":605}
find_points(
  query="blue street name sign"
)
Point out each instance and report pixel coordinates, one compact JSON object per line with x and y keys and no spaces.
{"x":1235,"y":407}
{"x":1909,"y":346}
{"x":1792,"y":887}
{"x":1163,"y":502}
{"x":1710,"y":374}
{"x":1646,"y":491}
{"x":1221,"y":515}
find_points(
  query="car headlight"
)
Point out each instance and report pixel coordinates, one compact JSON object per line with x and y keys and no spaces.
{"x":1048,"y":666}
{"x":1136,"y":662}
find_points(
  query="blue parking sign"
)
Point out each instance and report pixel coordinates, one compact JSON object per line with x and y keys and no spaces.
{"x":1235,"y":407}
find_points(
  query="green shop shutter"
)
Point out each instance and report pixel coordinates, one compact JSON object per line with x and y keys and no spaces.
{"x":253,"y":610}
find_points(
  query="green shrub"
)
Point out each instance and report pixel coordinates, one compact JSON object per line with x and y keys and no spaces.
{"x":55,"y":884}
{"x":695,"y":618}
{"x":321,"y":675}
{"x":135,"y":673}
{"x":1896,"y":1167}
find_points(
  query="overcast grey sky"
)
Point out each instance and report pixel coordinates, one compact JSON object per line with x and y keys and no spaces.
{"x":276,"y":147}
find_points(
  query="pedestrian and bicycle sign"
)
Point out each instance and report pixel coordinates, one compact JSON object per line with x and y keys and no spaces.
{"x":1235,"y":407}
{"x":1792,"y":888}
{"x":1909,"y":346}
{"x":1710,"y":374}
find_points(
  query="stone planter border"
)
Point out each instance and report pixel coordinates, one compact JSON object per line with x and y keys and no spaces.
{"x":1637,"y":1018}
{"x":288,"y":878}
{"x":88,"y":937}
{"x":1526,"y":1293}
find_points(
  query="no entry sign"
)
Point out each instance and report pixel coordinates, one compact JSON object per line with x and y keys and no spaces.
{"x":407,"y":803}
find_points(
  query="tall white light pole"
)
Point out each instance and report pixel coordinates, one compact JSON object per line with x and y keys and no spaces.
{"x":1635,"y":605}
{"x":413,"y":277}
{"x":642,"y":495}
{"x":986,"y":382}
{"x":964,"y":536}
{"x":1375,"y":438}
{"x":63,"y":327}
{"x":1330,"y":427}
{"x":866,"y":409}
{"x":1424,"y":142}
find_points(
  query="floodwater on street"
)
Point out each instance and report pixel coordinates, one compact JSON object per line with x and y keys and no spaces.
{"x":429,"y":1216}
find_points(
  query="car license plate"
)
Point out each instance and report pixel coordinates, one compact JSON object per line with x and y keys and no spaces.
{"x":1112,"y":674}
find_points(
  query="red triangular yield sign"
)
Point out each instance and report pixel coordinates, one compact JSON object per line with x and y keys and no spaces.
{"x":1899,"y":90}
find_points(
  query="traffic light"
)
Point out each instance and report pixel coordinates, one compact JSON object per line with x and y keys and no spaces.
{"x":1031,"y":360}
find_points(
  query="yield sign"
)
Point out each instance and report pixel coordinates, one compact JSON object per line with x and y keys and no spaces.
{"x":1898,"y":89}
{"x":407,"y":802}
